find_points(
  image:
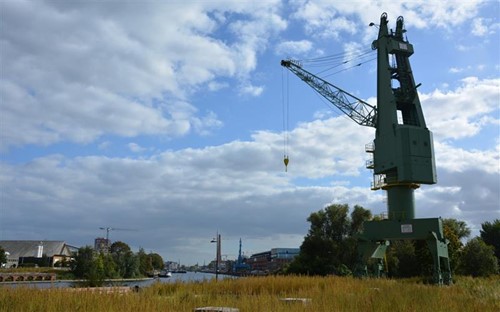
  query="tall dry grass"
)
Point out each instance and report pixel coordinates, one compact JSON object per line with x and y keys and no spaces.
{"x":264,"y":294}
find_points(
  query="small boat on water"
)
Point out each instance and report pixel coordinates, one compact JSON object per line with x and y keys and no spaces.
{"x":165,"y":274}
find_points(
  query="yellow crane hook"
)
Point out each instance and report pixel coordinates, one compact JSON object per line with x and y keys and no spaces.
{"x":286,"y":160}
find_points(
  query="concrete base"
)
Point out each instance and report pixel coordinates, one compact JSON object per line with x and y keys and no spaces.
{"x":217,"y":309}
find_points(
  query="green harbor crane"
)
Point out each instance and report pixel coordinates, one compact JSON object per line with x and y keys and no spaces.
{"x":403,"y":156}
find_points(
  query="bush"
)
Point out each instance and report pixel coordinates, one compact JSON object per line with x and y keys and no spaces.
{"x":478,"y":259}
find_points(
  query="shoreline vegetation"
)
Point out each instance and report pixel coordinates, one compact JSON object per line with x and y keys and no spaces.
{"x":82,"y":281}
{"x":62,"y":276}
{"x":270,"y":293}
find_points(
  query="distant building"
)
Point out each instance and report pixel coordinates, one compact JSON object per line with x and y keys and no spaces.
{"x":24,"y":252}
{"x":260,"y":261}
{"x":223,"y":266}
{"x":171,"y":266}
{"x":272,"y":260}
{"x":101,"y":244}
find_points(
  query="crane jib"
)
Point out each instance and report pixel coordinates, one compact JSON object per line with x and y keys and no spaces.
{"x":358,"y":110}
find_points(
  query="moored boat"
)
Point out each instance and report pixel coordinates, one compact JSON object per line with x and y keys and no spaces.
{"x":165,"y":274}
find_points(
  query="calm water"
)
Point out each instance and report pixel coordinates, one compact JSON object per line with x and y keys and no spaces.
{"x":183,"y":277}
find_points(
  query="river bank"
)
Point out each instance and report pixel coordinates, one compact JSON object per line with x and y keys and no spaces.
{"x":132,"y":282}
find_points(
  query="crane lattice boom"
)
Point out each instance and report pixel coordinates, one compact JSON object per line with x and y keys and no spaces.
{"x":358,"y":110}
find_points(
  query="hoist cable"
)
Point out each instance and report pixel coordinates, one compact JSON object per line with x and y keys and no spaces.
{"x":285,"y":107}
{"x":343,"y":62}
{"x":287,"y":111}
{"x":339,"y":55}
{"x":351,"y":67}
{"x":330,"y":61}
{"x":285,"y":96}
{"x":335,"y":60}
{"x":358,"y":59}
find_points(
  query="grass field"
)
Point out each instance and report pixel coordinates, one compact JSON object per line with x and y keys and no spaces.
{"x":264,"y":294}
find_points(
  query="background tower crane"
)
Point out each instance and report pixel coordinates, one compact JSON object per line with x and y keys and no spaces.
{"x":240,"y":265}
{"x":108,"y":229}
{"x":403,"y":156}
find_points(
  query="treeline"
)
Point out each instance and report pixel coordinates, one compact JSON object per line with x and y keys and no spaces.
{"x":330,"y":247}
{"x":119,"y":262}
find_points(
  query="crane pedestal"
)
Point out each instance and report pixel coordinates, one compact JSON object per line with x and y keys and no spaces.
{"x":395,"y":197}
{"x":376,"y":236}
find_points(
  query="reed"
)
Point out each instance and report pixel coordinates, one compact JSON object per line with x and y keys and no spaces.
{"x":264,"y":294}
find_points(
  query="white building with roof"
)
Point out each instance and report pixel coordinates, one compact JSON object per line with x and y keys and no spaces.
{"x":23,"y":251}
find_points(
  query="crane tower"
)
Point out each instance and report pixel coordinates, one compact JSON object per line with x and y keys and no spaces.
{"x":403,"y":156}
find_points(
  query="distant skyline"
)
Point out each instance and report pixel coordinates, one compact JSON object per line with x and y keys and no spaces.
{"x":167,"y":118}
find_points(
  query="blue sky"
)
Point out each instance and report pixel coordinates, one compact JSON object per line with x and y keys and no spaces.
{"x":166,"y":117}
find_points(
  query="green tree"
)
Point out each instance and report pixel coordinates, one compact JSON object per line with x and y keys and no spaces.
{"x":127,"y":263}
{"x":119,"y":252}
{"x":413,"y":258}
{"x":425,"y":263}
{"x":109,"y":266}
{"x":144,"y":264}
{"x":119,"y":247}
{"x":478,"y":259}
{"x":83,"y":262}
{"x":329,"y":247}
{"x":459,"y":228}
{"x":401,"y":259}
{"x":89,"y":266}
{"x":96,"y":274}
{"x":3,"y":256}
{"x":454,"y":247}
{"x":131,"y":266}
{"x":490,"y":233}
{"x":358,"y":216}
{"x":156,"y":261}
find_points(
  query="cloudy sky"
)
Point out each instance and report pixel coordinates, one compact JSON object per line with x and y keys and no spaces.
{"x":165,"y":118}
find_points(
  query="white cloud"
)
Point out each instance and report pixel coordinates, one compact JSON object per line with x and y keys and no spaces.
{"x":459,"y":113}
{"x":186,"y":193}
{"x":455,"y":70}
{"x":205,"y":125}
{"x":322,"y":19}
{"x":471,"y":195}
{"x":315,"y":152}
{"x":216,"y":86}
{"x":483,"y":26}
{"x":477,"y":68}
{"x":444,"y":13}
{"x":462,"y":48}
{"x":478,"y":28}
{"x":289,"y":48}
{"x":329,"y":19}
{"x":251,"y":89}
{"x":455,"y":159}
{"x":136,"y":148}
{"x":50,"y":115}
{"x":80,"y":70}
